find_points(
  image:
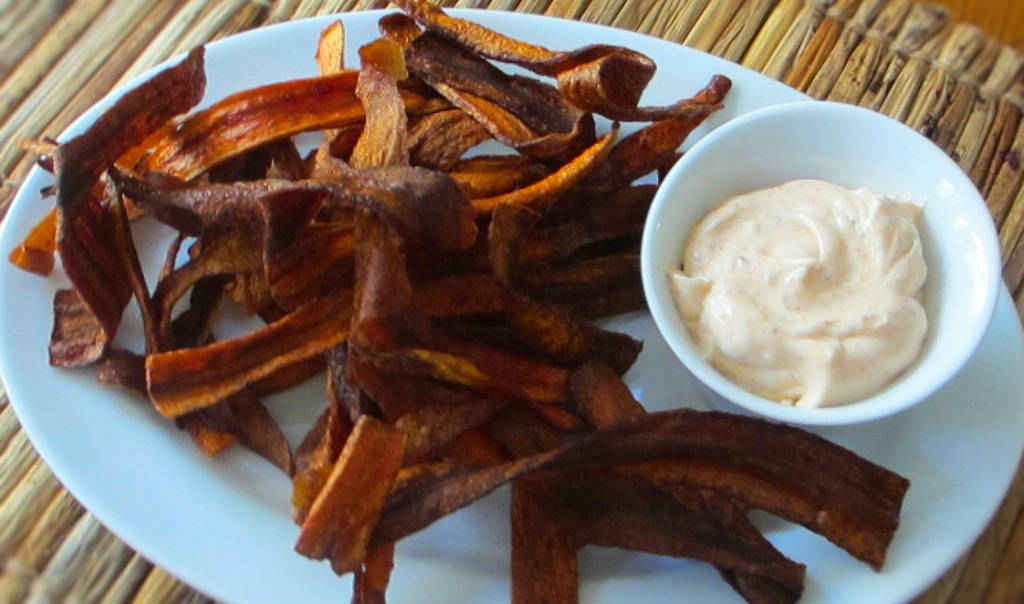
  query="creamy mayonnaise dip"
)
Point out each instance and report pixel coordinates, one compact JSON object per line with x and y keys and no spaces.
{"x":807,"y":293}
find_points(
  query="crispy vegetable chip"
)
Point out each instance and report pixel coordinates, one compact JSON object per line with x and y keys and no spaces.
{"x":319,"y":263}
{"x":480,"y":367}
{"x":443,"y":413}
{"x":386,"y":56}
{"x":754,"y":464}
{"x":330,"y":50}
{"x":35,"y":252}
{"x":125,"y":246}
{"x":345,"y":513}
{"x":604,"y":400}
{"x":371,"y":580}
{"x":425,"y":206}
{"x":601,"y":397}
{"x":567,"y":340}
{"x":315,"y":457}
{"x":624,"y":298}
{"x":123,"y":368}
{"x":543,"y":192}
{"x":703,"y":450}
{"x":249,"y":119}
{"x":383,"y":292}
{"x":617,"y":511}
{"x":78,"y":338}
{"x":575,"y":282}
{"x":557,"y":417}
{"x":439,"y":139}
{"x":645,"y":150}
{"x":474,"y":448}
{"x":521,"y":112}
{"x":400,"y":28}
{"x":211,"y":441}
{"x":419,"y":503}
{"x":183,"y":380}
{"x":243,"y":416}
{"x":383,"y":141}
{"x":462,"y":294}
{"x":606,"y":218}
{"x":491,"y":175}
{"x":342,"y":391}
{"x":522,"y":433}
{"x":605,"y":79}
{"x":543,"y":564}
{"x":85,"y":226}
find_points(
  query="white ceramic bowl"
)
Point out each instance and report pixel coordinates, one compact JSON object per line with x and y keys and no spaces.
{"x":853,"y":147}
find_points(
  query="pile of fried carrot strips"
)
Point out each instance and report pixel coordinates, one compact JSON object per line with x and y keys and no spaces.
{"x":448,"y":298}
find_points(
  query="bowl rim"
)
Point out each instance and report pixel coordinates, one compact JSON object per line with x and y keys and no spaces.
{"x":874,"y":407}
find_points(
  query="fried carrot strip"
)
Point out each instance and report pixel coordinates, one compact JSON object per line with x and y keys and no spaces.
{"x":399,"y":28}
{"x":35,"y":252}
{"x":461,"y":294}
{"x":490,"y":175}
{"x":123,"y":368}
{"x":383,"y":141}
{"x":524,"y":113}
{"x":439,"y":139}
{"x":345,"y":513}
{"x":541,"y":193}
{"x":418,"y":503}
{"x":610,"y":510}
{"x":371,"y":579}
{"x":628,"y":297}
{"x":330,"y":50}
{"x":568,"y":340}
{"x":598,"y":217}
{"x":243,"y":416}
{"x":605,"y":79}
{"x":210,"y":440}
{"x":443,"y":414}
{"x":78,"y":338}
{"x":319,"y":263}
{"x":180,"y":381}
{"x":601,"y":397}
{"x":125,"y":245}
{"x":593,"y":277}
{"x":248,"y":119}
{"x":458,"y":370}
{"x":851,"y":501}
{"x":425,"y":206}
{"x":604,"y":400}
{"x":521,"y":433}
{"x":644,"y":151}
{"x":557,"y":417}
{"x":543,"y":327}
{"x":474,"y":448}
{"x":808,"y":480}
{"x":316,"y":455}
{"x":85,"y":231}
{"x":543,"y":564}
{"x":383,"y":292}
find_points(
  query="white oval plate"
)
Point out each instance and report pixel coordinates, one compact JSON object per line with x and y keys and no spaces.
{"x":223,"y":525}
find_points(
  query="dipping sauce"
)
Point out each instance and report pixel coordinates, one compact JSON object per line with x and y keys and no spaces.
{"x":807,"y":293}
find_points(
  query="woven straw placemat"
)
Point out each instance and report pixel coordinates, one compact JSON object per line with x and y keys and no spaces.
{"x":905,"y":59}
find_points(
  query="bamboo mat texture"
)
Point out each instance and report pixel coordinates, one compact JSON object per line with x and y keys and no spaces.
{"x":906,"y":59}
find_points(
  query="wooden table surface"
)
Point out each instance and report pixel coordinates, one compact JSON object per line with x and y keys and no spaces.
{"x":1001,"y":19}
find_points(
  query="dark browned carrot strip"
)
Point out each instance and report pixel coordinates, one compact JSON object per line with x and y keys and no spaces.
{"x":180,"y":381}
{"x":345,"y":512}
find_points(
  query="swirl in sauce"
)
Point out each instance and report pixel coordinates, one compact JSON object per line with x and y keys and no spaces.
{"x":807,"y":293}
